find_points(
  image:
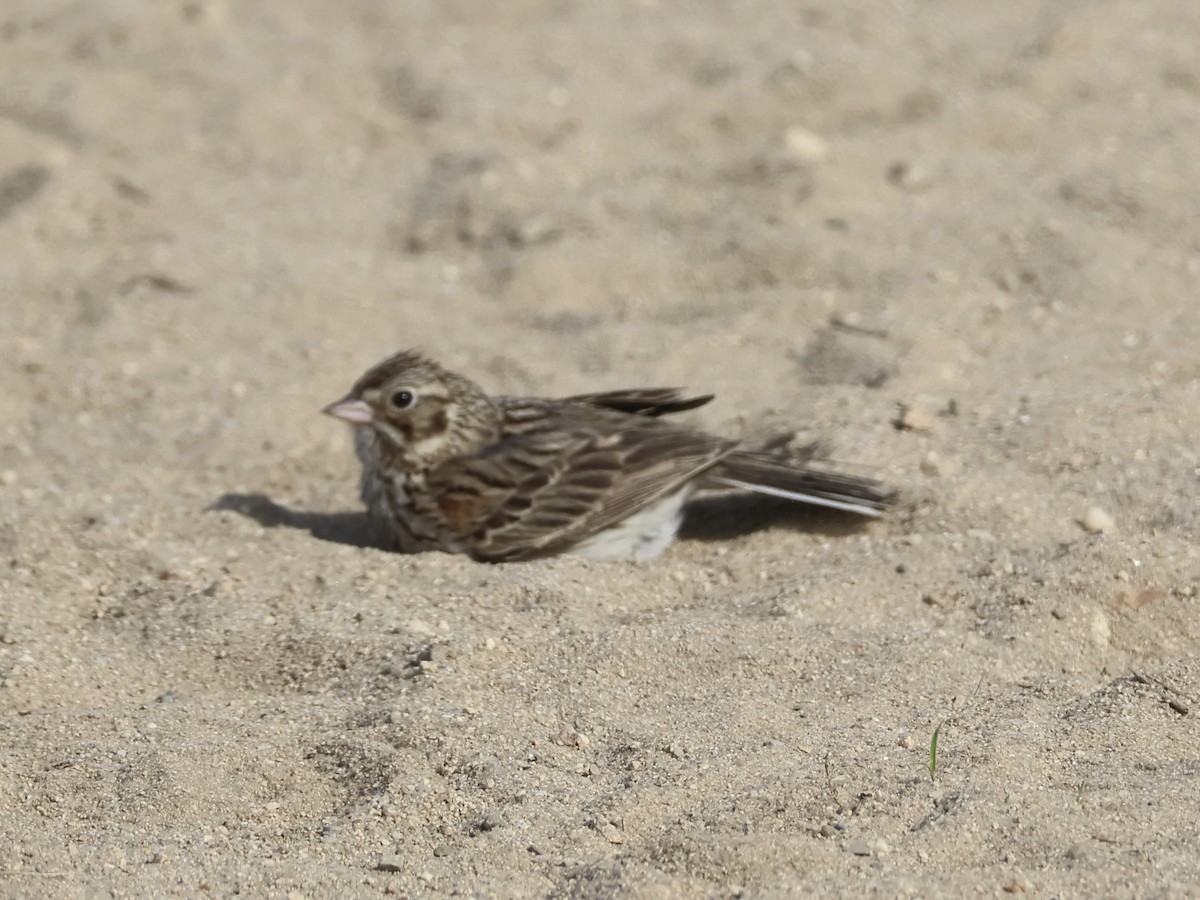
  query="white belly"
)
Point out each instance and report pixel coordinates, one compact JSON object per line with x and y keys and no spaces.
{"x":643,"y":535}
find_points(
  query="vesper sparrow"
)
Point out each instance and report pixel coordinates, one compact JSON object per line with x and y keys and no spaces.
{"x":446,"y":467}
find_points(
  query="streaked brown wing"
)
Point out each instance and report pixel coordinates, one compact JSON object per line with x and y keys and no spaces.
{"x":642,"y":401}
{"x":581,"y":470}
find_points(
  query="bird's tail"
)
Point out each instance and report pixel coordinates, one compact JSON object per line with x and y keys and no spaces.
{"x":765,"y":473}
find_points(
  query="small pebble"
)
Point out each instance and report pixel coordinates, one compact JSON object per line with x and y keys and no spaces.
{"x":1018,"y":885}
{"x":569,"y":737}
{"x":858,"y":847}
{"x":1096,"y":520}
{"x":912,"y":177}
{"x":915,"y":417}
{"x":805,"y":145}
{"x":390,"y":862}
{"x":419,"y":627}
{"x":8,"y":476}
{"x":1138,"y":599}
{"x":931,"y":465}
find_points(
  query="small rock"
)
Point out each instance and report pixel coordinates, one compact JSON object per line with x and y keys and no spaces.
{"x":390,"y":862}
{"x":858,"y":847}
{"x":419,"y":627}
{"x":1138,"y":599}
{"x":568,"y":737}
{"x":536,"y":230}
{"x":1018,"y":885}
{"x":915,"y":417}
{"x":491,"y":821}
{"x":805,"y":145}
{"x":1096,"y":520}
{"x":912,"y":177}
{"x":612,"y":833}
{"x":931,"y":465}
{"x":8,"y":476}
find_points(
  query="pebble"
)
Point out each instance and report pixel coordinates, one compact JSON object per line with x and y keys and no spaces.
{"x":805,"y":145}
{"x":1138,"y":599}
{"x":931,"y":465}
{"x":912,"y":177}
{"x":536,"y":230}
{"x":612,"y":834}
{"x":1097,"y":520}
{"x":1018,"y":885}
{"x":916,"y":417}
{"x":390,"y":862}
{"x":419,"y":627}
{"x":858,"y":847}
{"x":8,"y":476}
{"x":569,"y":737}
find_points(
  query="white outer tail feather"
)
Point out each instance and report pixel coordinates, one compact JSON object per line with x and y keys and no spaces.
{"x":848,"y":504}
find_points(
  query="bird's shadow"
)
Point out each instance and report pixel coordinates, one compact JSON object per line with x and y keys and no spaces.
{"x":716,"y":518}
{"x":354,"y":528}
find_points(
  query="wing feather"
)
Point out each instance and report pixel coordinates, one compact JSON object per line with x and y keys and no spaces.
{"x":642,"y":401}
{"x":556,"y":480}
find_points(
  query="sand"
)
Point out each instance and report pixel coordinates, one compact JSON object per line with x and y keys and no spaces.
{"x":954,"y":244}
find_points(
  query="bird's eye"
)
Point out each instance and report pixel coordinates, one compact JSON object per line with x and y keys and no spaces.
{"x":403,"y":399}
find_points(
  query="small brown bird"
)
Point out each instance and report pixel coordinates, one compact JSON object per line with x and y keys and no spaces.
{"x":446,"y":467}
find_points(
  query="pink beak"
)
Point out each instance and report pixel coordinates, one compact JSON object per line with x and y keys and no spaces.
{"x":356,"y":412}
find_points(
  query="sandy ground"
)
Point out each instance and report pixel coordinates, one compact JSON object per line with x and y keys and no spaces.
{"x":954,"y":242}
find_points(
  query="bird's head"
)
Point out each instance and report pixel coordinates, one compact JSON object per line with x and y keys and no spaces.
{"x":418,"y":411}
